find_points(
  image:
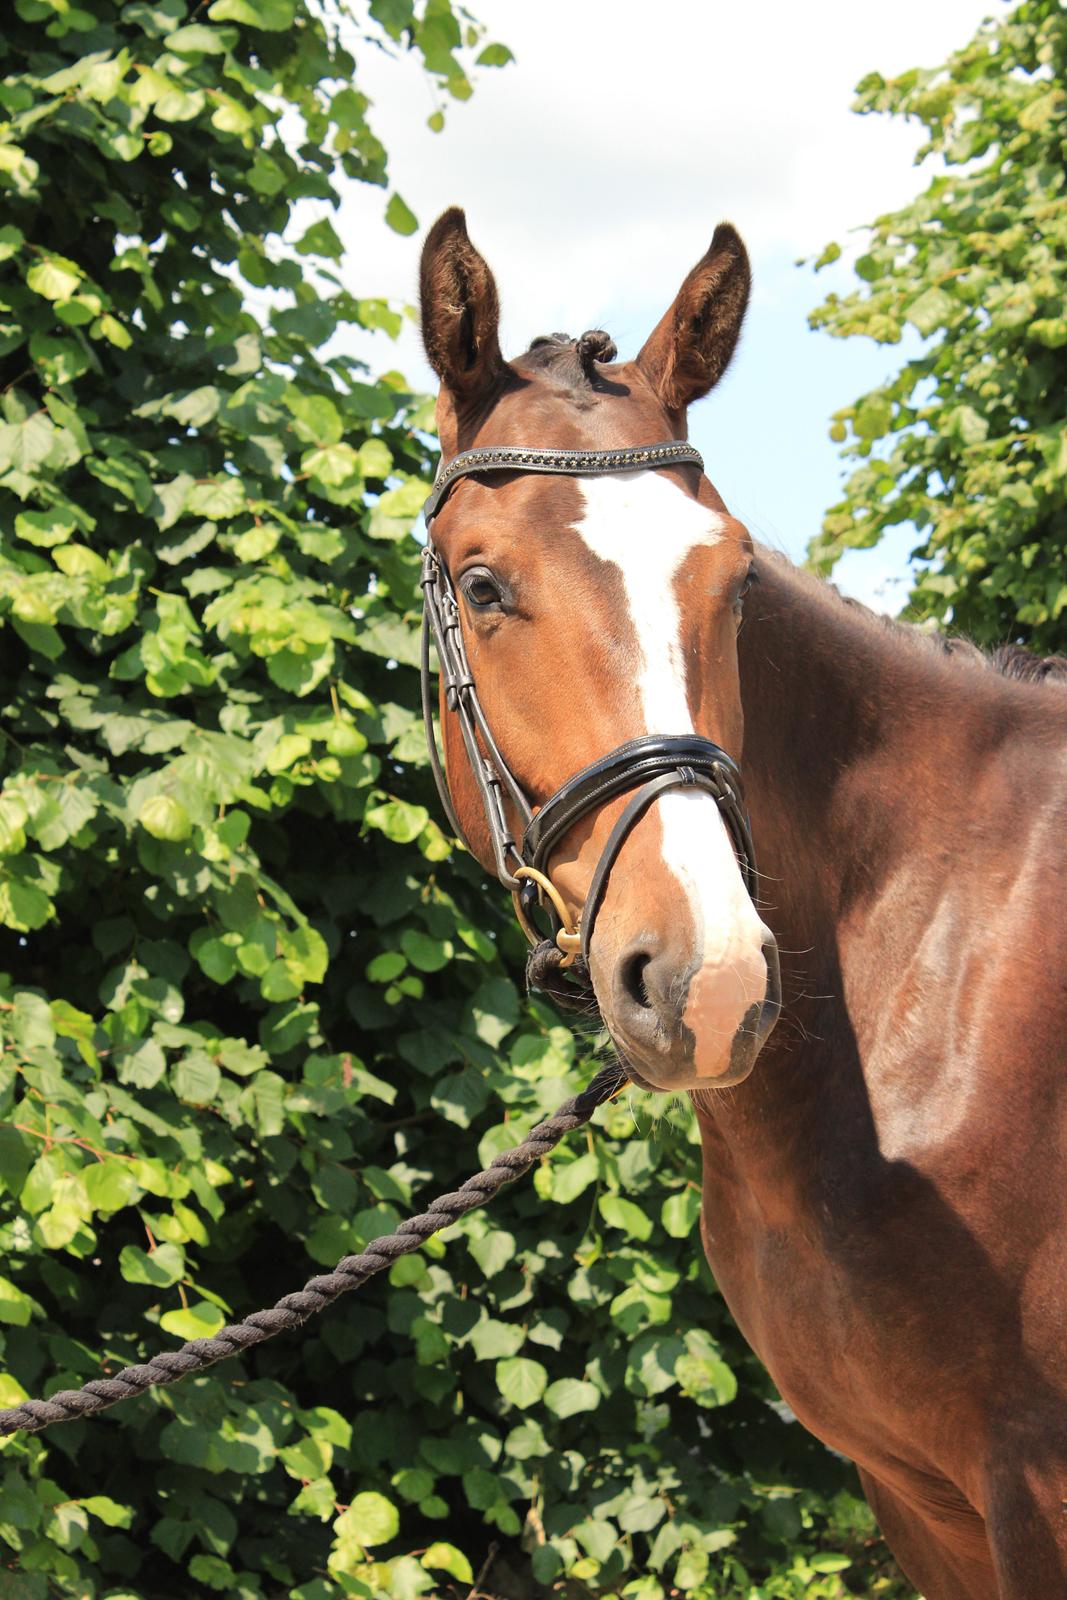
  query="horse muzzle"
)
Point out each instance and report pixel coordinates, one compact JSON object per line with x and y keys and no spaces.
{"x":681,"y":1024}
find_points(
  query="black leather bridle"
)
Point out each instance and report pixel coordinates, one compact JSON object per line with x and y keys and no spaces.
{"x":651,"y":765}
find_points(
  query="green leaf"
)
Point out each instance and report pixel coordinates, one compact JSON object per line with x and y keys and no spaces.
{"x":13,"y":818}
{"x":428,"y":955}
{"x":873,"y":416}
{"x":460,"y":1096}
{"x":572,"y":1178}
{"x":23,"y":905}
{"x":491,"y":1340}
{"x":111,"y":329}
{"x":703,"y":1374}
{"x":15,"y":1304}
{"x":79,"y":562}
{"x":597,"y":1538}
{"x":273,"y":16}
{"x":16,"y":1157}
{"x":829,"y":1563}
{"x":494,"y":55}
{"x":642,"y":1513}
{"x":199,"y":40}
{"x":26,"y":444}
{"x":526,"y":1442}
{"x":375,"y":458}
{"x":109,"y":1185}
{"x":440,"y":1557}
{"x":109,"y":1512}
{"x":165,"y":818}
{"x":493,"y":1252}
{"x":217,"y":957}
{"x":568,"y":1396}
{"x":398,"y":820}
{"x":620,"y":1213}
{"x":196,"y":1079}
{"x":316,"y":419}
{"x":199,"y":1321}
{"x":495,"y":1010}
{"x":931,"y":310}
{"x":54,"y":277}
{"x":163,"y":1267}
{"x":413,"y":1483}
{"x":680,"y":1212}
{"x":332,"y":464}
{"x":321,"y":240}
{"x":400,"y":217}
{"x":11,"y":241}
{"x":213,"y":1571}
{"x":521,"y":1381}
{"x":217,"y":499}
{"x":371,"y":1519}
{"x":966,"y":425}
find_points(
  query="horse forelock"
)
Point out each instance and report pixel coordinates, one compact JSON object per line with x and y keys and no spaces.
{"x":571,"y":362}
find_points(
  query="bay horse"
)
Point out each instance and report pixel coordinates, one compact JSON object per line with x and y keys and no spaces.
{"x":884,"y":1195}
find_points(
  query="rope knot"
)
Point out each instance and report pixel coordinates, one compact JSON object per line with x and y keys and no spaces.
{"x":570,"y":988}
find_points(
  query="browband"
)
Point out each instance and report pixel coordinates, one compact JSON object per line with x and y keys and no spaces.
{"x":517,"y":458}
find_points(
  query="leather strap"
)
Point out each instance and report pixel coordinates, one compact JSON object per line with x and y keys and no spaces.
{"x":624,"y":768}
{"x":519,"y":458}
{"x":677,"y":778}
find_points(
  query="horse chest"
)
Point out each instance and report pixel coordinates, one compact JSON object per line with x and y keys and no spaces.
{"x":854,"y":1328}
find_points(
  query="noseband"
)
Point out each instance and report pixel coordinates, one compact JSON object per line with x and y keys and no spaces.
{"x":651,"y":765}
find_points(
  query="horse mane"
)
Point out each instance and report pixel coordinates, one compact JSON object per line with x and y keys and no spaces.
{"x":1013,"y":661}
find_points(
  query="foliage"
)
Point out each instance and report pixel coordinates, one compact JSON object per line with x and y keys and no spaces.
{"x":255,"y":1007}
{"x":969,"y":440}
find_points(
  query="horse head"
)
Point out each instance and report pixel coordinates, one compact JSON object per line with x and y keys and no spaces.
{"x":597,"y":592}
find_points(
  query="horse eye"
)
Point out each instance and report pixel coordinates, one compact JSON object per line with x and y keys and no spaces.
{"x":750,"y":578}
{"x":480,"y":589}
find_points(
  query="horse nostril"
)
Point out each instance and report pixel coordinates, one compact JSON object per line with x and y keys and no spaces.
{"x":632,"y":977}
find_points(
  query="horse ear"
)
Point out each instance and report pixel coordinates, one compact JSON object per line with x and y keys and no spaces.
{"x":690,"y":349}
{"x":460,"y":310}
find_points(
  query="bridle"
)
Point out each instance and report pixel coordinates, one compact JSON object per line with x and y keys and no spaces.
{"x":651,"y":765}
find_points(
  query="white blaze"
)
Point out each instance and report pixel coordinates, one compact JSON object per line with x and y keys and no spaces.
{"x":646,"y":527}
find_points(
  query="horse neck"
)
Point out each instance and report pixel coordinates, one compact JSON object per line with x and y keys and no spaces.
{"x":858,"y":739}
{"x":861,"y":747}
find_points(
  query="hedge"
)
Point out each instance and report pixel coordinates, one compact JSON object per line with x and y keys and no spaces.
{"x":255,"y":1005}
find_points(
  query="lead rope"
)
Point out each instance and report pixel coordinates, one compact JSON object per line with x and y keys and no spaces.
{"x":350,"y":1273}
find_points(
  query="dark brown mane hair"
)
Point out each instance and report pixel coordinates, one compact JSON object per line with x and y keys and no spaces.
{"x":1012,"y":661}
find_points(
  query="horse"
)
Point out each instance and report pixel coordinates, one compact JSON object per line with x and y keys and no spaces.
{"x":884,"y":1195}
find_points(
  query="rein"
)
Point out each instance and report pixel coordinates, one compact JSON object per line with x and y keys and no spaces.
{"x":350,"y":1273}
{"x":652,"y":765}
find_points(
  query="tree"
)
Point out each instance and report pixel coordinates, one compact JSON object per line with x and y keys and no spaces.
{"x":254,"y":1003}
{"x":969,"y":440}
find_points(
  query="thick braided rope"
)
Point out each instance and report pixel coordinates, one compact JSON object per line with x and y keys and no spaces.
{"x":350,"y":1273}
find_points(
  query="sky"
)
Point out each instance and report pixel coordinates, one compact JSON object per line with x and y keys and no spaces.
{"x":594,"y":168}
